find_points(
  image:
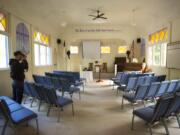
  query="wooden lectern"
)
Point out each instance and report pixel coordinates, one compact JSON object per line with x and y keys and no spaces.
{"x":98,"y":70}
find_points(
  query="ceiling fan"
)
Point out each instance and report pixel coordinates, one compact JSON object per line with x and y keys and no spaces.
{"x":99,"y":15}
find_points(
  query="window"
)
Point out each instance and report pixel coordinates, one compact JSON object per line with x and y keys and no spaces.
{"x":105,"y":49}
{"x":122,"y":49}
{"x":4,"y":55}
{"x":42,"y":50}
{"x":157,"y":48}
{"x":74,"y":49}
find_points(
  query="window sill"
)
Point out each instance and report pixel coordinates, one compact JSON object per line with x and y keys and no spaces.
{"x":4,"y":69}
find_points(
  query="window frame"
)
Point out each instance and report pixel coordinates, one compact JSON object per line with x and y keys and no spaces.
{"x":6,"y":33}
{"x":39,"y":44}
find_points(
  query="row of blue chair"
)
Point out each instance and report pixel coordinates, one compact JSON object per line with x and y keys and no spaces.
{"x":123,"y":77}
{"x":151,"y":91}
{"x":46,"y":94}
{"x":73,"y":81}
{"x":167,"y":106}
{"x":134,"y":82}
{"x":61,"y":84}
{"x":15,"y":114}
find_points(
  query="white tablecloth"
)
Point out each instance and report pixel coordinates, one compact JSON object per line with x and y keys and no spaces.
{"x":88,"y":75}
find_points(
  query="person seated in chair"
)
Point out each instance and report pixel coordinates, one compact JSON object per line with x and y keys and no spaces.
{"x":145,"y":67}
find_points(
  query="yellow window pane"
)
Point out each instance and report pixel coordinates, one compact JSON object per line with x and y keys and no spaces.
{"x":153,"y":39}
{"x":105,"y":49}
{"x":157,"y":37}
{"x":162,"y":33}
{"x":3,"y":22}
{"x":122,"y":49}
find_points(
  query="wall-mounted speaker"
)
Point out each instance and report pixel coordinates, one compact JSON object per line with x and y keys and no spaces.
{"x":138,"y":40}
{"x":58,"y":41}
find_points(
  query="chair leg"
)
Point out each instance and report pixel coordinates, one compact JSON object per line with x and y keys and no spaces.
{"x":49,"y":108}
{"x":72,"y":109}
{"x":150,"y":129}
{"x":40,"y":102}
{"x":25,"y":97}
{"x":165,"y":126}
{"x":59,"y":113}
{"x":79,"y":95}
{"x":83,"y":87}
{"x":132,"y":126}
{"x":32,"y":102}
{"x":122,"y":104}
{"x":37,"y":125}
{"x":177,"y":117}
{"x":4,"y":128}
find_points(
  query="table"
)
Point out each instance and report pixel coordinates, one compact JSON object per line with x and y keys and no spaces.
{"x":88,"y":75}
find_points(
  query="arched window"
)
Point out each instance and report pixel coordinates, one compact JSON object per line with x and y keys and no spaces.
{"x":4,"y":55}
{"x":22,"y":38}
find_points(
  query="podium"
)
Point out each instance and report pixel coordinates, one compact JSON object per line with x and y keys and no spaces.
{"x":98,"y":70}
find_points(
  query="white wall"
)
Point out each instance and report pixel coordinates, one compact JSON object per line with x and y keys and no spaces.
{"x":5,"y":81}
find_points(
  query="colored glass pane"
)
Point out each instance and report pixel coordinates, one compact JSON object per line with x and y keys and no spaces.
{"x":105,"y":49}
{"x":41,"y":38}
{"x":3,"y":22}
{"x":122,"y":49}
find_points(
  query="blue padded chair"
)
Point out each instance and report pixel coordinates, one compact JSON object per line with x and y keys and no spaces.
{"x":26,"y":92}
{"x":54,"y":100}
{"x":130,"y":85}
{"x":15,"y":114}
{"x":66,"y":87}
{"x":42,"y":97}
{"x":139,"y":95}
{"x":148,"y":79}
{"x":172,"y":86}
{"x":153,"y":114}
{"x":33,"y":92}
{"x":116,"y":80}
{"x":178,"y":86}
{"x":161,"y":78}
{"x":174,"y":108}
{"x":140,"y":81}
{"x":153,"y":88}
{"x":162,"y":89}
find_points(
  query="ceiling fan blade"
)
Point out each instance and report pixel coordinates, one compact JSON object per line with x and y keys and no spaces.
{"x":92,"y":15}
{"x":103,"y":17}
{"x":101,"y":14}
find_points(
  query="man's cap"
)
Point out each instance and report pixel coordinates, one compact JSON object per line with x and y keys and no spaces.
{"x":19,"y":53}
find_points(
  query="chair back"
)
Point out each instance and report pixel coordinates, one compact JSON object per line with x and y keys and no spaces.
{"x":33,"y":90}
{"x":161,"y":107}
{"x":26,"y":89}
{"x":51,"y":95}
{"x":172,"y":86}
{"x":174,"y":107}
{"x":162,"y":89}
{"x":147,"y":79}
{"x":5,"y":109}
{"x":161,"y":78}
{"x":131,"y":84}
{"x":140,"y":81}
{"x":153,"y":88}
{"x":141,"y":92}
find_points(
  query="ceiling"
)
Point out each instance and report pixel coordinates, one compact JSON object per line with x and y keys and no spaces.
{"x":56,"y":13}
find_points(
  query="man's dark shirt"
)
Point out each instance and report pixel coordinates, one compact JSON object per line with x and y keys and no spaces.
{"x":18,"y":69}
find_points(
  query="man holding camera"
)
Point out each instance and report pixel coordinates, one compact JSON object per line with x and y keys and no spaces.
{"x":18,"y":66}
